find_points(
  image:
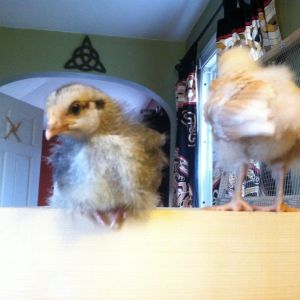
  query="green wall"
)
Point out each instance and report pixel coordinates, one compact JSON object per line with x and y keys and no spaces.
{"x":201,"y":23}
{"x":288,"y":12}
{"x":147,"y":62}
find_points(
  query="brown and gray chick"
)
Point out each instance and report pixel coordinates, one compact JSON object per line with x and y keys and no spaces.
{"x":105,"y":165}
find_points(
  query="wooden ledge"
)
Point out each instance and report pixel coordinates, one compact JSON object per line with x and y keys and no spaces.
{"x":174,"y":254}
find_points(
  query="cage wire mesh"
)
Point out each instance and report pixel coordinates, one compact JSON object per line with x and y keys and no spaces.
{"x":259,"y":187}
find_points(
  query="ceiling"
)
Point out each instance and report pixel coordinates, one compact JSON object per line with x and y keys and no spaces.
{"x":170,"y":20}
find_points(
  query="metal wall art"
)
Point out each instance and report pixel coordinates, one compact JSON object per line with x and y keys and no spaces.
{"x":85,"y":58}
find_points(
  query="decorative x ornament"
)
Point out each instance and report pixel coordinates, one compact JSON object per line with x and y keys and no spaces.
{"x":13,"y":130}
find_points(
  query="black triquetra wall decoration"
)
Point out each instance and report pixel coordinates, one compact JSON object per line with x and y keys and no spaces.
{"x":85,"y":58}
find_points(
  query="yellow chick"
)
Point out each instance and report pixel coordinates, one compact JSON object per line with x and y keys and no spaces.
{"x":254,"y":114}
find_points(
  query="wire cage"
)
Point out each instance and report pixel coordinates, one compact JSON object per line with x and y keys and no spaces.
{"x":259,"y":186}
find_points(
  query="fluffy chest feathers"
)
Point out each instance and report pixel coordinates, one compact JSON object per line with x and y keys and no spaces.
{"x":107,"y":172}
{"x":104,"y":156}
{"x":101,"y":174}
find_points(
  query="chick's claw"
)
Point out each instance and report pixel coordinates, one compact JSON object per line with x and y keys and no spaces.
{"x":117,"y":217}
{"x":100,"y":217}
{"x":112,"y":218}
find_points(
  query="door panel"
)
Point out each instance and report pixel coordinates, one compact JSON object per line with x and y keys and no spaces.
{"x":20,"y":183}
{"x":2,"y":158}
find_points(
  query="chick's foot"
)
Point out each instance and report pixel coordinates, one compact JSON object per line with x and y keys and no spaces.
{"x":276,"y":208}
{"x":234,"y":205}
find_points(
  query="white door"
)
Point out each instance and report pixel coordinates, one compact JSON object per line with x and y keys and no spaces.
{"x":21,"y":127}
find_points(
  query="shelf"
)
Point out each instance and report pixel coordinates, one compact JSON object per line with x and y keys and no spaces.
{"x":172,"y":254}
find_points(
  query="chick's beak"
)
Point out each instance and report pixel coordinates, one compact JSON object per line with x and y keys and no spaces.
{"x":55,"y":129}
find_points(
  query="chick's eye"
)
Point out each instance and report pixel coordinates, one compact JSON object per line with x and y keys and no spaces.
{"x":99,"y":104}
{"x":75,"y":109}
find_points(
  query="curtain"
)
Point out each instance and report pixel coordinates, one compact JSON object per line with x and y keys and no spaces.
{"x":185,"y":171}
{"x":250,"y":23}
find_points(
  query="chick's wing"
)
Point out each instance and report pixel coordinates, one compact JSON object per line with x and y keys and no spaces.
{"x":239,"y":108}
